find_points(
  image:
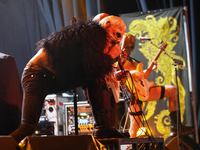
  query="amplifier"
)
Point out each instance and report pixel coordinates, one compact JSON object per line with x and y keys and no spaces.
{"x":44,"y":128}
{"x":51,"y":116}
{"x":85,"y":118}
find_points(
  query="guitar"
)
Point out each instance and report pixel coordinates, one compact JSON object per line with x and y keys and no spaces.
{"x":141,"y":87}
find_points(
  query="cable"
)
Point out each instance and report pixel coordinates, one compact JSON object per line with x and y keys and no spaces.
{"x":151,"y":138}
{"x":143,"y":116}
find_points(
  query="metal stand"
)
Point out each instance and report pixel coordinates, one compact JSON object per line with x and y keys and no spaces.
{"x":179,"y":127}
{"x":128,"y":100}
{"x":75,"y":112}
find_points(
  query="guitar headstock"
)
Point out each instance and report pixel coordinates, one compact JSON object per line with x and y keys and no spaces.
{"x":162,"y":45}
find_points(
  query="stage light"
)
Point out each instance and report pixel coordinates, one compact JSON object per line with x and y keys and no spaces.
{"x":143,"y":131}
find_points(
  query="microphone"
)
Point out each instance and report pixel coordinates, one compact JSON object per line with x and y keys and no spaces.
{"x":145,"y":38}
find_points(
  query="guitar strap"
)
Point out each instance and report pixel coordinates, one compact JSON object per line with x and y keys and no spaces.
{"x":136,"y":113}
{"x":120,"y":65}
{"x":131,"y":59}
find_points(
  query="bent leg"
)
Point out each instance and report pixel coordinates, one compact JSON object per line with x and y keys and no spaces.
{"x":31,"y":110}
{"x":171,"y":93}
{"x":35,"y":88}
{"x":155,"y":93}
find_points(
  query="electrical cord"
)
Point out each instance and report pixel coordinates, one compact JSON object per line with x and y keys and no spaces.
{"x":151,"y":137}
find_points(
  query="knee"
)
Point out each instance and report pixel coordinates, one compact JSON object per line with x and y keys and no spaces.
{"x":174,"y":88}
{"x":170,"y":90}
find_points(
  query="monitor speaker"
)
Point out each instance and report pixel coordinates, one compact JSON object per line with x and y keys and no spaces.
{"x":8,"y":143}
{"x":188,"y":143}
{"x":83,"y":142}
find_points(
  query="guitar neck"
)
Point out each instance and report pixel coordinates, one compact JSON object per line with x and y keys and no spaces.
{"x":162,"y":48}
{"x":156,"y":58}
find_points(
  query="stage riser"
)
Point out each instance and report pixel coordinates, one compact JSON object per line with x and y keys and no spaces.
{"x":188,"y":144}
{"x":8,"y":143}
{"x":88,"y":142}
{"x":84,"y":142}
{"x":133,"y":143}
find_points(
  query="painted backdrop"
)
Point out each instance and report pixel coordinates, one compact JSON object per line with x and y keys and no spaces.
{"x":163,"y":26}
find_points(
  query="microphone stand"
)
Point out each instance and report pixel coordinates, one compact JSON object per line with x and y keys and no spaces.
{"x":75,"y":112}
{"x":176,"y":62}
{"x":151,"y":138}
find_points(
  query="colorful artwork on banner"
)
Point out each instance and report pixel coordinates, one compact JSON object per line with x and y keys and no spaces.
{"x":162,"y":26}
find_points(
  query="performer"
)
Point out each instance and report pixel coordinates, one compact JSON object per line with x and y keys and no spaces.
{"x":103,"y":102}
{"x":155,"y":93}
{"x":81,"y":54}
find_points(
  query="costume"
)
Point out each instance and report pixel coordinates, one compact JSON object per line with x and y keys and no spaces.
{"x":78,"y":49}
{"x":76,"y":54}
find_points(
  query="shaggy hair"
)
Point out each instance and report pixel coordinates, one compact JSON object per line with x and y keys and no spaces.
{"x":78,"y":48}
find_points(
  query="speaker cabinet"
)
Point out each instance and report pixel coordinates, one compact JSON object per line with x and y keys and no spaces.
{"x":188,"y":144}
{"x":133,"y":143}
{"x":82,"y":142}
{"x":8,"y":143}
{"x":85,"y":118}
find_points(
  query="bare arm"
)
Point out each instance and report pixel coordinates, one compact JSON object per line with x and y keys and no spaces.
{"x":150,"y":69}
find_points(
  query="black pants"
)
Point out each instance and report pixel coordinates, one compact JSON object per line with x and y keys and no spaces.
{"x":37,"y":83}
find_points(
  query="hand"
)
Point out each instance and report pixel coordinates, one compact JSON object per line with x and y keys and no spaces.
{"x":155,"y":65}
{"x":152,"y":67}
